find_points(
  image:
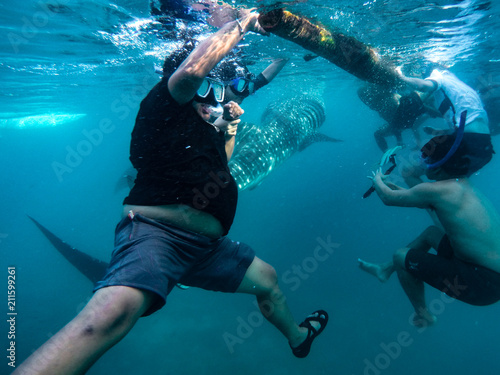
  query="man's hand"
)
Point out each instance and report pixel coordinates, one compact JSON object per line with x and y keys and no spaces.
{"x":232,"y":128}
{"x":225,"y":126}
{"x":379,"y":179}
{"x":229,"y":121}
{"x":222,"y":13}
{"x":232,"y":111}
{"x":377,"y":176}
{"x":249,"y":18}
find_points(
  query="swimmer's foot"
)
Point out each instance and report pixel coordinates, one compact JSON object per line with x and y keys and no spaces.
{"x":423,"y":319}
{"x":315,"y":324}
{"x":380,"y":271}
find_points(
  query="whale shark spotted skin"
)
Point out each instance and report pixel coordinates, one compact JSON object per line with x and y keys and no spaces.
{"x":286,"y":127}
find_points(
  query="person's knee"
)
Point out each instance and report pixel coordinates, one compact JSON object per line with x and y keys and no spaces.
{"x":268,"y":293}
{"x":112,"y":314}
{"x":268,"y":278}
{"x":432,"y":231}
{"x":266,"y":283}
{"x":433,"y":235}
{"x":399,"y":258}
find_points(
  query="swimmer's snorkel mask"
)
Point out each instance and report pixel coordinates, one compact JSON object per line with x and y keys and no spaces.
{"x":242,"y":86}
{"x":211,"y":92}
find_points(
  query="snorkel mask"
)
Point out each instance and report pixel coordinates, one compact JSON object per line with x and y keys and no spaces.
{"x":242,"y":87}
{"x":211,"y":93}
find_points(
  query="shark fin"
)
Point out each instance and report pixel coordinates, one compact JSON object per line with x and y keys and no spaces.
{"x":92,"y":268}
{"x":253,"y":186}
{"x":126,"y":180}
{"x":316,"y":137}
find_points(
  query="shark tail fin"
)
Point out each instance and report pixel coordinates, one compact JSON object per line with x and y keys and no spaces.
{"x":92,"y":268}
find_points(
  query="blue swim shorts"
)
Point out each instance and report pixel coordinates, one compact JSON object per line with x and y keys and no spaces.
{"x":155,"y":256}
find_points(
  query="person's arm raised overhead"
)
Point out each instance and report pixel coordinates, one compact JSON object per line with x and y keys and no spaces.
{"x":186,"y":80}
{"x":419,"y":84}
{"x":273,"y":69}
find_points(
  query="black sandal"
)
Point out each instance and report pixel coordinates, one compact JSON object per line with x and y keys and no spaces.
{"x":319,"y":316}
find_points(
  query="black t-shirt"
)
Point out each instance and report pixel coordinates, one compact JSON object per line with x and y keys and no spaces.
{"x":180,"y":159}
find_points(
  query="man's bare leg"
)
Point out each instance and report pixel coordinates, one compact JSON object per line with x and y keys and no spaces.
{"x":261,"y":280}
{"x":413,"y":287}
{"x":428,"y":239}
{"x":104,"y":321}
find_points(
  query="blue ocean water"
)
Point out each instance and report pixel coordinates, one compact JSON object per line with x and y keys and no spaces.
{"x":73,"y":74}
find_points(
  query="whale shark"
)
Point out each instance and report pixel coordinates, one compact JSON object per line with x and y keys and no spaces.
{"x":286,"y":127}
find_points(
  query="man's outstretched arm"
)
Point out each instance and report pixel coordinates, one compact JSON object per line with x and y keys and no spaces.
{"x":422,"y":85}
{"x":422,"y":195}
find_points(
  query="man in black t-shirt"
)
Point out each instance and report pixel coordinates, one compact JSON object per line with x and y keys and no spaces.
{"x":175,"y":220}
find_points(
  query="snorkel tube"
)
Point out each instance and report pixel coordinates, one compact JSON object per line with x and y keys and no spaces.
{"x":458,"y":140}
{"x":215,"y":113}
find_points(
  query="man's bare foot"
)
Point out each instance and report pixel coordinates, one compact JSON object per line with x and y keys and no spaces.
{"x":380,"y":271}
{"x":424,"y":319}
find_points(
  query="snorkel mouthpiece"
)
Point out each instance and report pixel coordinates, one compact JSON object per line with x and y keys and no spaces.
{"x":215,"y":112}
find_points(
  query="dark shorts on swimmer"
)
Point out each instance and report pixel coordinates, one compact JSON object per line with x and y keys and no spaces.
{"x":472,"y":284}
{"x":153,"y":256}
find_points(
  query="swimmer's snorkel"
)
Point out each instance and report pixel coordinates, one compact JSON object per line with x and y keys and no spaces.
{"x":215,"y":113}
{"x":456,"y":143}
{"x":211,"y":95}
